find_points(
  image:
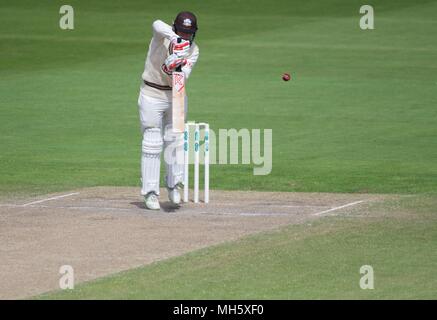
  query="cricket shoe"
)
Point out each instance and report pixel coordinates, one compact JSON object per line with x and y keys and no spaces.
{"x":174,"y":195}
{"x":151,"y":201}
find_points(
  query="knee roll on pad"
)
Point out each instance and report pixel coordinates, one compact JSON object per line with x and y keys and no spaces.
{"x":152,"y":142}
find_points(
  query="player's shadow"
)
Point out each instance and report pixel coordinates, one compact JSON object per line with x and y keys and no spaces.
{"x":165,"y":206}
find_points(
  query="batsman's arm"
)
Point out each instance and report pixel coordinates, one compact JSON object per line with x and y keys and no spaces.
{"x":191,"y":61}
{"x":163,"y":30}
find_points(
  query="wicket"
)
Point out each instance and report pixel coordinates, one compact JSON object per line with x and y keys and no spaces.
{"x":197,"y":127}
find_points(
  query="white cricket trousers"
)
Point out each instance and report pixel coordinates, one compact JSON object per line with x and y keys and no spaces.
{"x":156,"y":130}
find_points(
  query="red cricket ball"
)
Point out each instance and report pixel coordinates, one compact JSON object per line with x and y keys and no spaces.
{"x":286,"y":77}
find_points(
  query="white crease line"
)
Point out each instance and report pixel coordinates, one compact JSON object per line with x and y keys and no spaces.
{"x":90,"y":208}
{"x":267,"y":205}
{"x":49,"y":199}
{"x":247,"y":214}
{"x":144,"y":210}
{"x":181,"y":212}
{"x":338,"y":208}
{"x":251,"y":214}
{"x":261,"y":214}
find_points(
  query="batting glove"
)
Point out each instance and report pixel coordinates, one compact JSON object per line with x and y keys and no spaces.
{"x":173,"y":61}
{"x":180,"y":49}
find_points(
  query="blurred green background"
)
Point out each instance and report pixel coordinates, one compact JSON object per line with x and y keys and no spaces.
{"x":359,"y":115}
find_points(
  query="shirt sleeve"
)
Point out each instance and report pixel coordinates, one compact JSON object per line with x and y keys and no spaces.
{"x":162,"y":30}
{"x":191,"y":61}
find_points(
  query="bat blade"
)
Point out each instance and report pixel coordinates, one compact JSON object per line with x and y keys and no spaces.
{"x":178,"y":103}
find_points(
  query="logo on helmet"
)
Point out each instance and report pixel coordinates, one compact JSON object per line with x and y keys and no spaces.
{"x":187,"y":23}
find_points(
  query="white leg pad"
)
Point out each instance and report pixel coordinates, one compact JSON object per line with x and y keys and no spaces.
{"x":151,"y":160}
{"x":174,"y":157}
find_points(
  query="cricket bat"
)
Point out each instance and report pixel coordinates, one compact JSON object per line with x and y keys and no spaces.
{"x":178,"y":103}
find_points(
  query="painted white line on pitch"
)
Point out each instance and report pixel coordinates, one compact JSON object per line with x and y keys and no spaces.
{"x":71,"y":207}
{"x":87,"y":208}
{"x":338,"y":208}
{"x":136,"y":210}
{"x":261,"y":214}
{"x":249,"y":214}
{"x":267,"y":205}
{"x":144,"y":210}
{"x":49,"y":199}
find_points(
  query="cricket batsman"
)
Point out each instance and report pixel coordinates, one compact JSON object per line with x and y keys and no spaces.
{"x":166,"y":53}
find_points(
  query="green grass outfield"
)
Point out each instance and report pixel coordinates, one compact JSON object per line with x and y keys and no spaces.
{"x":321,"y":260}
{"x":359,"y":116}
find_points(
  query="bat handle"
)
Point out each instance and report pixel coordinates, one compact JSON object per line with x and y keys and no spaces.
{"x":179,"y":69}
